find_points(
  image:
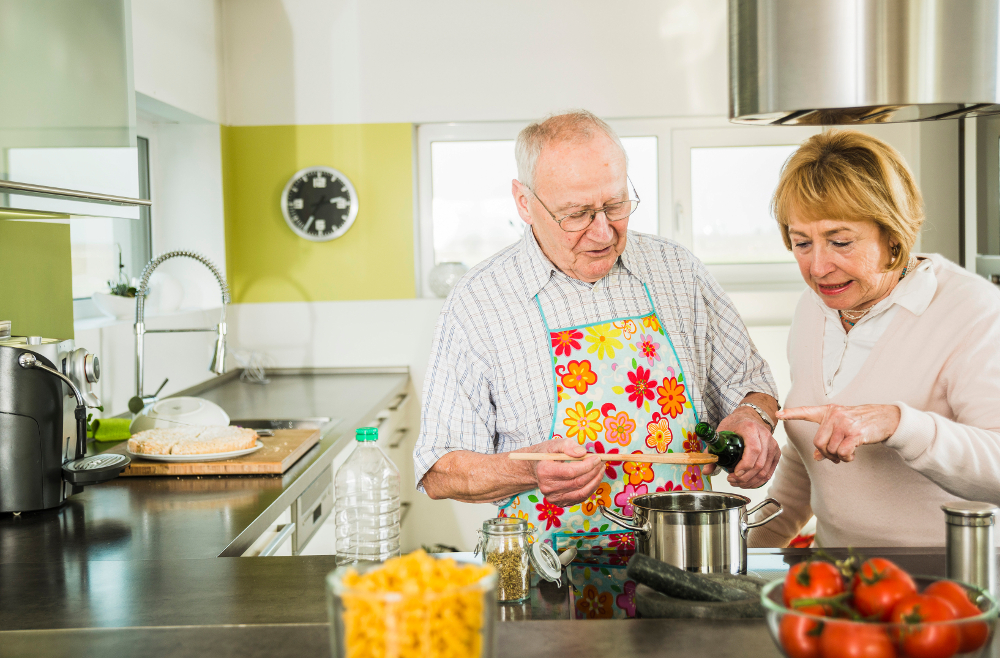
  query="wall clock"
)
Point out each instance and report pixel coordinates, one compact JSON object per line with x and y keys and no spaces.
{"x":319,"y":203}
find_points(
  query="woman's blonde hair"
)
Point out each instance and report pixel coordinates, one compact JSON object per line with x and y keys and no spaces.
{"x":846,"y":174}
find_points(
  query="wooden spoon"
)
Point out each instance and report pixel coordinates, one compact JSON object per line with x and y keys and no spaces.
{"x":669,"y":458}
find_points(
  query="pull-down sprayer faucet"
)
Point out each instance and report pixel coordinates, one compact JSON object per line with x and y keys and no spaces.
{"x":218,"y":365}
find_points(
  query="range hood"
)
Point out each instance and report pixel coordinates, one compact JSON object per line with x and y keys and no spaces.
{"x":821,"y":62}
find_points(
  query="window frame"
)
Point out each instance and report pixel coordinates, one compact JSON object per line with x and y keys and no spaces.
{"x":734,"y":276}
{"x":140,"y":236}
{"x":675,"y":137}
{"x":427,"y":133}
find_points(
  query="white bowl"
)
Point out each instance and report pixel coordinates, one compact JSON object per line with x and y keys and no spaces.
{"x":113,"y":306}
{"x":179,"y":412}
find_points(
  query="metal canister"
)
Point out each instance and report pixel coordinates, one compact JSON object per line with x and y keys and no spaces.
{"x":971,"y":543}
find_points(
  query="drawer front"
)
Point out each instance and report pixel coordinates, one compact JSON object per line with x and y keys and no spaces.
{"x":312,"y":517}
{"x":310,"y":509}
{"x":392,"y":418}
{"x":277,"y":540}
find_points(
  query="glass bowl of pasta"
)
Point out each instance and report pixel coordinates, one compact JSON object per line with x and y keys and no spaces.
{"x":413,"y":606}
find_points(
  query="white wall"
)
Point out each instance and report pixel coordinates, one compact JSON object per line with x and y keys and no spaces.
{"x":187,"y":211}
{"x":177,"y":54}
{"x":183,"y":358}
{"x":353,"y":61}
{"x":339,"y":334}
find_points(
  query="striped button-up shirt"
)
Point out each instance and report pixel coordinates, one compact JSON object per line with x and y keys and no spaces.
{"x":489,"y":384}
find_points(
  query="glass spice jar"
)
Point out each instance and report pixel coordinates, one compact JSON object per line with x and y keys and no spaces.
{"x":504,"y":543}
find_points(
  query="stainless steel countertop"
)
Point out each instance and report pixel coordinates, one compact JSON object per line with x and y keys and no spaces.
{"x":149,"y":518}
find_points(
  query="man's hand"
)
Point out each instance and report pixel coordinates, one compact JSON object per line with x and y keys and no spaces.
{"x":843,"y":429}
{"x":760,"y":451}
{"x":566,"y":483}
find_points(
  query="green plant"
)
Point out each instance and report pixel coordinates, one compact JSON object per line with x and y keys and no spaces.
{"x":122,"y":289}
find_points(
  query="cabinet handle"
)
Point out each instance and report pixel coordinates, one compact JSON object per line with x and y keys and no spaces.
{"x":400,"y":437}
{"x":398,"y":402}
{"x":46,"y":191}
{"x":276,"y":543}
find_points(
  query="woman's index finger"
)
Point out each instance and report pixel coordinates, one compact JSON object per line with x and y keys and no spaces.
{"x":811,"y":414}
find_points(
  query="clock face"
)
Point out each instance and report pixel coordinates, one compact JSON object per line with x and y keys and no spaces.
{"x":319,"y":203}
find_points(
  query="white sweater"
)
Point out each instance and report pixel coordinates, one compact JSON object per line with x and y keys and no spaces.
{"x":942,"y":369}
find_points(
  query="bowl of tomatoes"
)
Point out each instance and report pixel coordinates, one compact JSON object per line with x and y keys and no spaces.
{"x":859,"y":608}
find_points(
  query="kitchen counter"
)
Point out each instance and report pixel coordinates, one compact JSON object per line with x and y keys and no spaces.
{"x":150,"y":566}
{"x":277,"y":607}
{"x":144,"y":518}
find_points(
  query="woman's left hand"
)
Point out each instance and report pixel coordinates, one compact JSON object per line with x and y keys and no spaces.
{"x":843,"y":429}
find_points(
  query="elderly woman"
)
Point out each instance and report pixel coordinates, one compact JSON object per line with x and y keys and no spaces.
{"x":895,"y":358}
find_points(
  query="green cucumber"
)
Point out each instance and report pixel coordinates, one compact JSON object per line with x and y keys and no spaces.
{"x":678,"y":583}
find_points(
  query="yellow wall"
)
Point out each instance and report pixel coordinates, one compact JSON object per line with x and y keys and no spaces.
{"x":36,"y":278}
{"x":267,"y":262}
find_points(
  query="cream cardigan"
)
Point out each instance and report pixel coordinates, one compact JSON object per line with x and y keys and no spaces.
{"x":942,"y":369}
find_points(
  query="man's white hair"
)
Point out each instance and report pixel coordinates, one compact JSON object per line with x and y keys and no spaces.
{"x":573,"y":126}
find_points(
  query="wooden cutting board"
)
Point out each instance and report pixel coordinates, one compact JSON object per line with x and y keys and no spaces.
{"x":277,"y":456}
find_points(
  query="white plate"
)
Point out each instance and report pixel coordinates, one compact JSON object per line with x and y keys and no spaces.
{"x":211,"y":457}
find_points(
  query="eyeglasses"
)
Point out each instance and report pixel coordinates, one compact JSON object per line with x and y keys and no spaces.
{"x":581,"y":220}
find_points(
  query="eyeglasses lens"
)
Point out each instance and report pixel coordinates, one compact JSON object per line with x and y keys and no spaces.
{"x":615,"y":212}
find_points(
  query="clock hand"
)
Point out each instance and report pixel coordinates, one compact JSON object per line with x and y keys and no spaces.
{"x":321,"y":201}
{"x":312,"y":214}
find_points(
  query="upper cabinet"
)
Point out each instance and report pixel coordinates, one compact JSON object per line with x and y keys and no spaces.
{"x":67,"y":108}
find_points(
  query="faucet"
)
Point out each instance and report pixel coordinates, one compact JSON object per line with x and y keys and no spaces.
{"x":218,"y":365}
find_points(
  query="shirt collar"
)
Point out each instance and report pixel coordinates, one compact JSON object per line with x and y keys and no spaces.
{"x":914,"y":293}
{"x":539,"y":269}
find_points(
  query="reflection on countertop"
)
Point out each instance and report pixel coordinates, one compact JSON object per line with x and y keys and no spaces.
{"x":152,"y":518}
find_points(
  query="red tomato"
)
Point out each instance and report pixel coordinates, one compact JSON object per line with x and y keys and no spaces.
{"x":799,"y":636}
{"x":921,"y":640}
{"x":809,"y":580}
{"x":849,"y":639}
{"x":878,"y":586}
{"x":973,"y":634}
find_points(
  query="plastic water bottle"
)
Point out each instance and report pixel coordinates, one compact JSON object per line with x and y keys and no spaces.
{"x":367,"y":503}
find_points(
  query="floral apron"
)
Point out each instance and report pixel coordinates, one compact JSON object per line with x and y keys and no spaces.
{"x":619,"y":389}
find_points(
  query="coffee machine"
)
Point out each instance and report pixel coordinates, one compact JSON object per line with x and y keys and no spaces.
{"x":45,"y":390}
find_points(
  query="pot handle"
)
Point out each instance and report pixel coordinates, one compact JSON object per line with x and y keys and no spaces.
{"x":623,"y":521}
{"x":763,"y":521}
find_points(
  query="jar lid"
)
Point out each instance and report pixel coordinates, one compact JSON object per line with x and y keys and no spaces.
{"x":545,"y":560}
{"x":970,"y":508}
{"x":505,"y":525}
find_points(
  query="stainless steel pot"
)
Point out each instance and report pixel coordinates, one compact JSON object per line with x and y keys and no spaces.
{"x":701,"y":531}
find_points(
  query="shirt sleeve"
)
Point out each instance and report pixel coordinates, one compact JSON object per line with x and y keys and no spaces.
{"x":458,"y":411}
{"x":735,"y":368}
{"x":791,"y":487}
{"x":962,"y":456}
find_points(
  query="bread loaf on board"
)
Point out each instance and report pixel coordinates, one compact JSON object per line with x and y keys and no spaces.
{"x":192,"y":441}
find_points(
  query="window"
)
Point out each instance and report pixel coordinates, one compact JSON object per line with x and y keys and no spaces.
{"x":466,"y":203}
{"x":731,"y":188}
{"x":702,"y":182}
{"x":472,"y":207}
{"x":99,"y":244}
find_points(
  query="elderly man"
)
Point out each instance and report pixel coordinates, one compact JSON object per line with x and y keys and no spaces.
{"x":585,"y":338}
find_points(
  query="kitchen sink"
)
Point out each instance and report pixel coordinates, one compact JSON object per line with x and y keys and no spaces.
{"x":321,"y":422}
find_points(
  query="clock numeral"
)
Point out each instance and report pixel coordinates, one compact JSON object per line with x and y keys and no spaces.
{"x":319,"y":181}
{"x":320,"y":225}
{"x":298,"y":204}
{"x":341,"y":202}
